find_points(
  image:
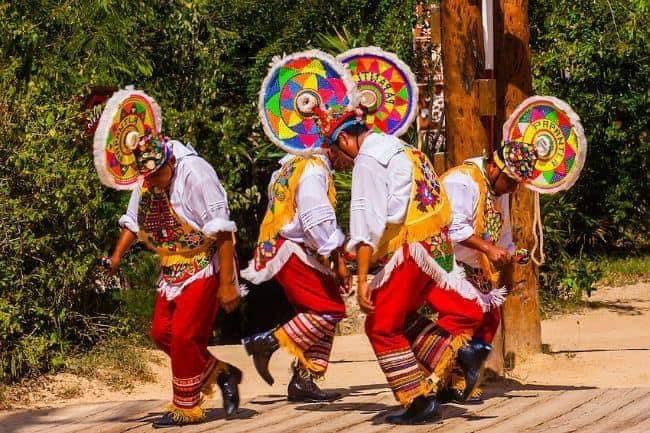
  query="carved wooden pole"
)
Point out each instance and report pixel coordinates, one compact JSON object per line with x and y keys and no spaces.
{"x":521,"y":317}
{"x":463,"y":63}
{"x":462,"y":60}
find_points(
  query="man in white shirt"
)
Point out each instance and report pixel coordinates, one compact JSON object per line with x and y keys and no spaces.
{"x":479,"y":192}
{"x":180,"y":211}
{"x":298,"y":243}
{"x":399,"y":217}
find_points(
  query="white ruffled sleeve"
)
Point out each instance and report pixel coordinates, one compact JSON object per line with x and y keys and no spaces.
{"x":208,"y":200}
{"x":463,"y":195}
{"x":316,"y":214}
{"x":369,"y":203}
{"x":130,"y":219}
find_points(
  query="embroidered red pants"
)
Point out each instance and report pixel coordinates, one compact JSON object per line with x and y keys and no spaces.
{"x":488,"y":328}
{"x":182,"y":329}
{"x":317,"y":300}
{"x":401,"y":296}
{"x":458,"y":315}
{"x":433,"y":343}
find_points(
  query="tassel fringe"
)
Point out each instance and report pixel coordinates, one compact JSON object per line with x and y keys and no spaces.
{"x":288,"y":344}
{"x":186,"y":416}
{"x":210,"y":386}
{"x":447,"y":360}
{"x":454,"y":280}
{"x":406,"y":398}
{"x":458,"y":383}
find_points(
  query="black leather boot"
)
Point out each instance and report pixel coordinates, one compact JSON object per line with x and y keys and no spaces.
{"x":261,"y":347}
{"x":302,"y":388}
{"x":470,"y":359}
{"x":423,"y":410}
{"x":228,"y":382}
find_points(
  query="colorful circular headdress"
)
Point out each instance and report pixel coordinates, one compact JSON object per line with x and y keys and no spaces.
{"x":293,"y":87}
{"x":386,"y":86}
{"x":129,"y":115}
{"x":558,"y":141}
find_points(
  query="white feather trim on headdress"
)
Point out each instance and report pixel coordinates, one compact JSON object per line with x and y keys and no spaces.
{"x":103,"y":129}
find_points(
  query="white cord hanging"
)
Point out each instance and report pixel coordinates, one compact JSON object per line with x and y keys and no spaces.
{"x":538,"y":234}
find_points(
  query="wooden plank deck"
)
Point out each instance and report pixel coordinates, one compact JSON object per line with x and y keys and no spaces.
{"x":526,"y":408}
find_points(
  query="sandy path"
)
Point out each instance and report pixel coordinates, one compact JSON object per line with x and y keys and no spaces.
{"x":606,"y":345}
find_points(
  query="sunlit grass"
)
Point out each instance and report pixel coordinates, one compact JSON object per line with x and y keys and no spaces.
{"x":618,"y":271}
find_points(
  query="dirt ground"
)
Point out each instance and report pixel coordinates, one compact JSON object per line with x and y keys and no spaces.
{"x":603,"y":346}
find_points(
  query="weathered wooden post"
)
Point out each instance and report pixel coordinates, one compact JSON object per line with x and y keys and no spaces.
{"x":521,"y":316}
{"x":462,"y":59}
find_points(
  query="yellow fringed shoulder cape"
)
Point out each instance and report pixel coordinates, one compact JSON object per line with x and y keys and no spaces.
{"x":429,"y":211}
{"x":489,"y":219}
{"x":282,"y":197}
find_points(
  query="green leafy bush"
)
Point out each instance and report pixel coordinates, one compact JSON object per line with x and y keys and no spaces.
{"x":593,"y":54}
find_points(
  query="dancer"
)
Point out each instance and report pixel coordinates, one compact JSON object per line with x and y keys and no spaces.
{"x":178,"y":209}
{"x":544,"y":149}
{"x":299,"y":240}
{"x":480,"y":230}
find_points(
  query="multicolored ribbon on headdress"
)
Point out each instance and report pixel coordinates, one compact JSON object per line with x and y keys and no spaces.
{"x":151,"y":153}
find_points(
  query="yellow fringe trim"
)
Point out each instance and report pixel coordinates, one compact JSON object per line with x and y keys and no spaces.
{"x":432,"y":384}
{"x":210,"y":386}
{"x":442,"y":372}
{"x":406,"y":398}
{"x":458,"y":383}
{"x":475,"y":173}
{"x":284,"y":205}
{"x":418,"y":226}
{"x":186,"y":416}
{"x":288,"y":344}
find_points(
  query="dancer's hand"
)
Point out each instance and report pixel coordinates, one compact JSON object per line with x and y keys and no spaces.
{"x":228,"y":297}
{"x":363,"y":296}
{"x":343,"y":275}
{"x":499,"y":256}
{"x":109,"y":264}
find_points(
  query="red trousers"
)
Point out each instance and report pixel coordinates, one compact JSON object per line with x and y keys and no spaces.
{"x":182,"y":329}
{"x":401,"y":296}
{"x":458,"y":315}
{"x":317,"y":300}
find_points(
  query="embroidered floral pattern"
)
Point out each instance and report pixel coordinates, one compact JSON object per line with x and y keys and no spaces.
{"x":183,"y":250}
{"x":178,"y":272}
{"x":493,"y":219}
{"x":477,"y":277}
{"x":162,"y":228}
{"x":441,"y":249}
{"x":280,"y":184}
{"x":265,"y":252}
{"x":428,"y":189}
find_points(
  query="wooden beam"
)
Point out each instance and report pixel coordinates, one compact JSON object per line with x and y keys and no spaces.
{"x":521,"y":316}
